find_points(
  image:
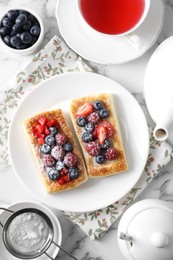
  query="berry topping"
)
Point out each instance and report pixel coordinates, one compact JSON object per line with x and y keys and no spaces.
{"x":105,"y":145}
{"x":85,"y":110}
{"x":61,"y":138}
{"x":66,"y":178}
{"x":94,"y":118}
{"x":93,"y":148}
{"x":98,"y":105}
{"x":109,"y":128}
{"x":50,"y":139}
{"x":48,"y":160}
{"x":111,"y":153}
{"x":59,"y":165}
{"x":52,"y":122}
{"x":89,"y":127}
{"x":64,"y":172}
{"x":39,"y":128}
{"x":81,"y":121}
{"x":87,"y":137}
{"x":73,"y":173}
{"x":104,"y":113}
{"x":61,"y":181}
{"x":45,"y":148}
{"x":70,"y":159}
{"x":53,"y":130}
{"x":42,"y":120}
{"x":68,"y":147}
{"x":58,"y":152}
{"x":100,"y":159}
{"x":54,"y":175}
{"x":101,"y":134}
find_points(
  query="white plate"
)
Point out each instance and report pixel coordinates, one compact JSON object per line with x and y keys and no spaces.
{"x":101,"y":49}
{"x":57,"y":92}
{"x":53,"y":251}
{"x":158,"y":81}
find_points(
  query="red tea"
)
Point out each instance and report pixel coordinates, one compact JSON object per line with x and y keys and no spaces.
{"x":112,"y":16}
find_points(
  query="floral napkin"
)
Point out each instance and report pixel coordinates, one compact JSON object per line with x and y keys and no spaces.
{"x":56,"y":58}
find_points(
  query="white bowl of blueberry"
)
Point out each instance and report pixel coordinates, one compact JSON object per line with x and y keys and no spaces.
{"x":21,"y":31}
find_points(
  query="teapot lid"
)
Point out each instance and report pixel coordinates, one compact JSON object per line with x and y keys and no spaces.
{"x":150,"y":230}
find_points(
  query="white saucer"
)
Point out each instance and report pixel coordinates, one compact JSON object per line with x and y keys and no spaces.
{"x":53,"y":251}
{"x":158,"y":82}
{"x":106,"y":50}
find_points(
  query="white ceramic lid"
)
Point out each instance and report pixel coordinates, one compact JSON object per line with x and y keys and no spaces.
{"x":152,"y":235}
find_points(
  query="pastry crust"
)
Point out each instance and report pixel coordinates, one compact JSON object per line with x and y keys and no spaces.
{"x":54,"y":186}
{"x":109,"y":167}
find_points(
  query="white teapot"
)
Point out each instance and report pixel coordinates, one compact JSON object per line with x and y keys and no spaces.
{"x":145,"y":231}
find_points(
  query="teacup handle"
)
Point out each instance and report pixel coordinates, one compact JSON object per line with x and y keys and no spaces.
{"x":134,"y":40}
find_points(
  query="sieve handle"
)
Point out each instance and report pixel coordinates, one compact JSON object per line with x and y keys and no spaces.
{"x":11,"y":211}
{"x":62,"y":250}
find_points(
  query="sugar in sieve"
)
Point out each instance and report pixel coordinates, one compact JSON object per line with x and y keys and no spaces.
{"x":28,"y":233}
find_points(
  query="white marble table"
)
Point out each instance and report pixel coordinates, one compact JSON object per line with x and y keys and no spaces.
{"x":131,"y":76}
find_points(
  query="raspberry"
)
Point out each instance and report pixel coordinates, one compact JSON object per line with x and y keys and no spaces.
{"x":70,"y":159}
{"x":93,"y":148}
{"x":110,"y":132}
{"x":111,"y":153}
{"x":58,"y":152}
{"x":48,"y":160}
{"x":64,"y":172}
{"x":61,"y":138}
{"x":93,"y":117}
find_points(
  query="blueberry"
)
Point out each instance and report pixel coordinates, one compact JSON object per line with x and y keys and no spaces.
{"x":81,"y":121}
{"x":50,"y":139}
{"x":7,"y":22}
{"x":22,"y":46}
{"x":27,"y":26}
{"x":54,"y":174}
{"x":89,"y":127}
{"x":23,"y":12}
{"x":73,"y":173}
{"x":59,"y":165}
{"x":35,"y":30}
{"x":7,"y":39}
{"x":33,"y":41}
{"x":21,"y":20}
{"x":26,"y":37}
{"x":4,"y":31}
{"x":68,"y":147}
{"x":87,"y":137}
{"x":15,"y":41}
{"x":31,"y":18}
{"x":98,"y":105}
{"x":12,"y":14}
{"x":15,"y":29}
{"x":100,"y":159}
{"x":104,"y":113}
{"x":45,"y":148}
{"x":105,"y":145}
{"x":53,"y":130}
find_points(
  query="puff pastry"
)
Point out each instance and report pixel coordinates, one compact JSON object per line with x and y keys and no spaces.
{"x":60,"y":163}
{"x":103,"y":158}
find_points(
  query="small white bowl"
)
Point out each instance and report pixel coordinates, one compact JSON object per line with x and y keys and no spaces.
{"x":36,"y":45}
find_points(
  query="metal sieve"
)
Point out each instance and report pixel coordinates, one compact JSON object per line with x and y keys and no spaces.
{"x":40,"y":249}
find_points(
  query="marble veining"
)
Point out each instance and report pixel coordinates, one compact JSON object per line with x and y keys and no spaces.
{"x":131,"y":76}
